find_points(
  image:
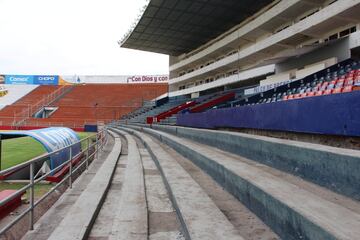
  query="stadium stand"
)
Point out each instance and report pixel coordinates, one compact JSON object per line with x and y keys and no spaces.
{"x":262,"y":59}
{"x":287,"y":66}
{"x":15,"y":92}
{"x":80,"y":105}
{"x":27,"y":105}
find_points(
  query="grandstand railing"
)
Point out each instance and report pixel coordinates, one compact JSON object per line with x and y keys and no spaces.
{"x":21,"y":117}
{"x":8,"y":121}
{"x":91,"y":151}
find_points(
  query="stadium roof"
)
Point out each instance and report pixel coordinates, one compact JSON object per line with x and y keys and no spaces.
{"x":179,"y":26}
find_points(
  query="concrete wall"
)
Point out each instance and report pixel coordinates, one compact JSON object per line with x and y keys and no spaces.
{"x":334,"y":168}
{"x":340,"y":49}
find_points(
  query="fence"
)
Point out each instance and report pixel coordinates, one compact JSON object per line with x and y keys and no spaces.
{"x":21,"y":117}
{"x":96,"y":146}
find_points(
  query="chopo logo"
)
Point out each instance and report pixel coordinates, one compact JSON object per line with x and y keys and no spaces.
{"x":47,"y":78}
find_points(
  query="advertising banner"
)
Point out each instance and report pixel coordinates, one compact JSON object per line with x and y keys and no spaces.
{"x":148,"y":79}
{"x":46,"y":80}
{"x":19,"y":79}
{"x":2,"y":79}
{"x":121,"y":79}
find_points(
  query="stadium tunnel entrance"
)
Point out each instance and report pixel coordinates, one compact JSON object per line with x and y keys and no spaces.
{"x":45,"y":112}
{"x":51,"y":139}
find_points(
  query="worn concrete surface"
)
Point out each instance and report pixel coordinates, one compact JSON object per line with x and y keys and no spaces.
{"x":289,"y":209}
{"x":163,"y":219}
{"x":248,"y":224}
{"x":202,"y":218}
{"x":131,"y":219}
{"x":307,"y":160}
{"x":79,"y":219}
{"x":50,"y":220}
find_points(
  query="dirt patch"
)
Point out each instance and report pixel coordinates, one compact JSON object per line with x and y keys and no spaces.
{"x":162,"y":222}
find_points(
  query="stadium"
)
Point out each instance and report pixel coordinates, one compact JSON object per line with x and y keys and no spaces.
{"x":254,"y":134}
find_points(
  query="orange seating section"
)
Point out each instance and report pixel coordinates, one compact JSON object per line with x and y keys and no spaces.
{"x":7,"y":114}
{"x":89,"y":104}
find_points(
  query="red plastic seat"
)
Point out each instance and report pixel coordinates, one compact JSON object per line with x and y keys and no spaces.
{"x":328,"y":91}
{"x":349,"y":77}
{"x":340,"y":83}
{"x":330,"y":86}
{"x":319,"y":93}
{"x":297,"y":95}
{"x":337,"y":90}
{"x":290,"y":97}
{"x":302,"y":95}
{"x":357,"y":81}
{"x":285,"y":98}
{"x":352,"y":72}
{"x":311,"y":94}
{"x":349,"y":82}
{"x":11,"y":205}
{"x":348,"y":89}
{"x":324,"y":86}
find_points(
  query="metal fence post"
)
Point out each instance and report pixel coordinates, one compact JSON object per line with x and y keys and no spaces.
{"x":31,"y":227}
{"x":97,"y":146}
{"x":70,"y":170}
{"x":88,"y":153}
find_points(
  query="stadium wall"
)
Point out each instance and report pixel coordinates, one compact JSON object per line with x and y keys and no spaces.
{"x":337,"y":114}
{"x":339,"y":49}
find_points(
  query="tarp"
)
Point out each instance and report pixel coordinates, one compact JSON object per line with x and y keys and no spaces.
{"x":336,"y":114}
{"x":52,"y":139}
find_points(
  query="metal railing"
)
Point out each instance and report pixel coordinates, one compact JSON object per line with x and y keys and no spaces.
{"x":21,"y":117}
{"x":87,"y":154}
{"x":7,"y":121}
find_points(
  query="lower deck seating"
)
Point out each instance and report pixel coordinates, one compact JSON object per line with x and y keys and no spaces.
{"x":343,"y":78}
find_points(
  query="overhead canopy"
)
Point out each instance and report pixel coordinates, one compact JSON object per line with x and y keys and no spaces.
{"x":52,"y":139}
{"x":174,"y":27}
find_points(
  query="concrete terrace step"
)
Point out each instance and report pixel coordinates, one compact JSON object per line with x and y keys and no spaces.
{"x":200,"y":217}
{"x":56,"y":212}
{"x":78,"y":221}
{"x":288,"y":207}
{"x":131,"y":218}
{"x":334,"y":168}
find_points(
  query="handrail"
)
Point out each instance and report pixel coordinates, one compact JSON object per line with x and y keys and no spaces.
{"x":100,"y":140}
{"x":45,"y":101}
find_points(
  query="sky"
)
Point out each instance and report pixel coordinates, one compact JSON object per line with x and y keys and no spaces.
{"x":68,"y":37}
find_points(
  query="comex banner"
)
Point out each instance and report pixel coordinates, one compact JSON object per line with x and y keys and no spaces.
{"x":29,"y":79}
{"x":19,"y":79}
